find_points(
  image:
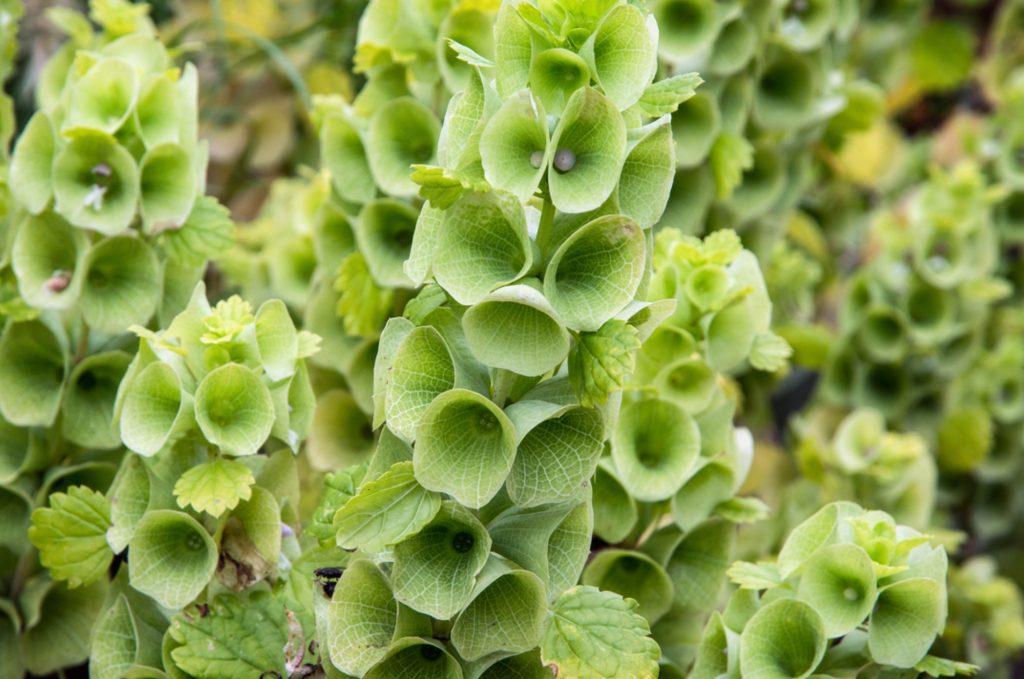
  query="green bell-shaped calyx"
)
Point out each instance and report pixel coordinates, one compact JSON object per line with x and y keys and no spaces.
{"x":505,"y":614}
{"x":556,"y":453}
{"x":595,"y":272}
{"x":655,"y":445}
{"x":589,"y":149}
{"x":786,"y":638}
{"x":514,"y":145}
{"x":465,"y":446}
{"x":517,"y":329}
{"x":121,"y":284}
{"x":48,"y":256}
{"x":33,"y":366}
{"x":173,"y":558}
{"x":234,"y":409}
{"x":401,"y":134}
{"x":96,"y":182}
{"x":103,"y":97}
{"x":435,"y":569}
{"x":482,"y":244}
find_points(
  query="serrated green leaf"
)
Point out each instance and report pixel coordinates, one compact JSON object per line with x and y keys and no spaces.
{"x":71,"y":535}
{"x":943,"y":667}
{"x":601,"y":362}
{"x":598,"y":635}
{"x":205,"y":234}
{"x":731,"y":156}
{"x":214,"y":487}
{"x":756,"y":576}
{"x":441,"y":187}
{"x":770,"y":352}
{"x":385,"y":511}
{"x":339,"y":488}
{"x":363,"y":305}
{"x":232,"y":637}
{"x":664,"y":96}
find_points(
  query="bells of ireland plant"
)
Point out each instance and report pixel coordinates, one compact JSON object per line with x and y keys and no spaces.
{"x":850,"y":588}
{"x":517,"y":394}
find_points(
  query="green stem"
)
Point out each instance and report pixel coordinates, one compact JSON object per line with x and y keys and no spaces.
{"x":547,"y":221}
{"x":502,"y":382}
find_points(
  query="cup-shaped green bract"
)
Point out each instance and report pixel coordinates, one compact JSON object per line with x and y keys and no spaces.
{"x":234,"y":409}
{"x":908,"y":615}
{"x":734,"y":47}
{"x":384,"y":233}
{"x":291,"y":266}
{"x":158,"y":113}
{"x":47,"y":257}
{"x":557,"y":451}
{"x":819,"y":530}
{"x":96,"y":182}
{"x":277,"y":340}
{"x":622,"y":55}
{"x":88,"y":408}
{"x":761,"y":185}
{"x":341,"y":434}
{"x":362,"y":618}
{"x":470,"y":26}
{"x":787,"y":90}
{"x":173,"y":558}
{"x":516,"y":329}
{"x":167,"y":187}
{"x":121,"y":284}
{"x":422,"y":370}
{"x":885,"y":386}
{"x":930,"y":312}
{"x":689,"y":383}
{"x":806,"y":23}
{"x":713,"y":483}
{"x":685,"y":27}
{"x":839,"y":583}
{"x":786,"y":638}
{"x":695,"y":126}
{"x":697,"y":564}
{"x":555,"y":75}
{"x":61,"y":623}
{"x":154,"y":410}
{"x":883,"y":334}
{"x":344,"y":156}
{"x":943,"y":256}
{"x":634,"y":575}
{"x":552,"y":540}
{"x":31,"y":170}
{"x":414,"y":657}
{"x":596,"y":271}
{"x":33,"y":364}
{"x":646,"y":179}
{"x":589,"y":148}
{"x":512,"y":51}
{"x":402,"y":133}
{"x":103,"y":98}
{"x":615,"y":510}
{"x":856,"y":439}
{"x":514,"y":145}
{"x":654,"y":445}
{"x":506,"y":613}
{"x":482,"y":244}
{"x":435,"y":569}
{"x":464,"y":447}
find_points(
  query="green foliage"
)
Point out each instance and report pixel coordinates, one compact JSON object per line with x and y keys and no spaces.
{"x":518,"y":383}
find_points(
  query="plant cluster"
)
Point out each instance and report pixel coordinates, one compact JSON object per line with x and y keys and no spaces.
{"x":587,"y":339}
